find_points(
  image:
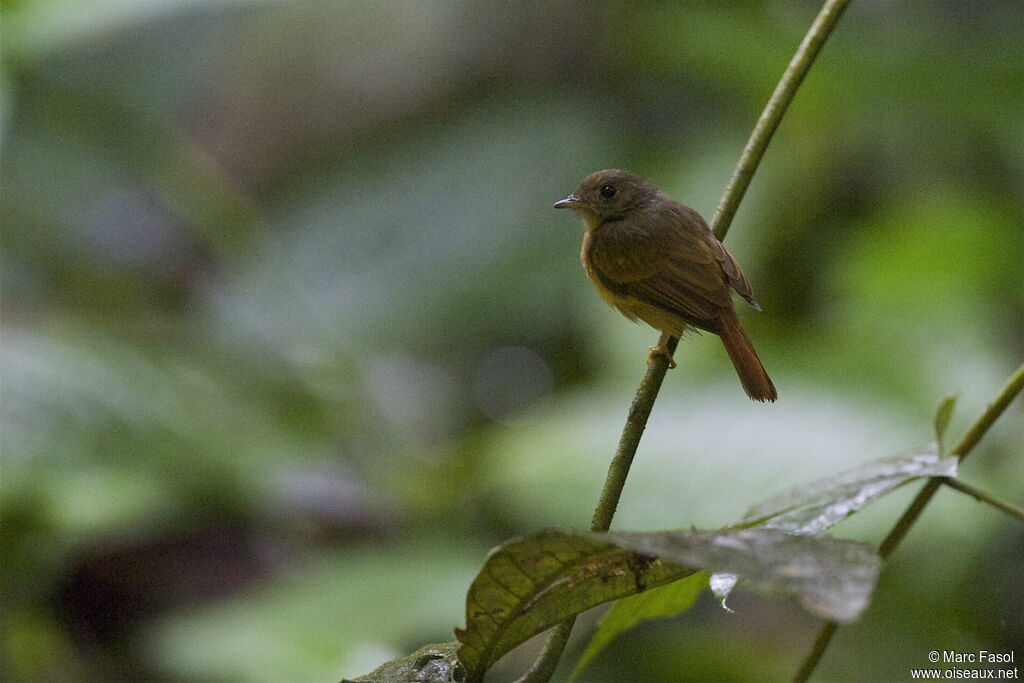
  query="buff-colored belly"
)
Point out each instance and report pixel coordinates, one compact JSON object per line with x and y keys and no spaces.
{"x":658,"y":318}
{"x":634,"y":309}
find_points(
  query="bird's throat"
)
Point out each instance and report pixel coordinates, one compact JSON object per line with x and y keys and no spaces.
{"x":590,"y":220}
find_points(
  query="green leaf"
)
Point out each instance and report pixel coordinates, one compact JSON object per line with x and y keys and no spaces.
{"x":812,"y":508}
{"x":943,"y":414}
{"x":529,"y":584}
{"x":532,"y":583}
{"x":663,"y":601}
{"x":434,"y":663}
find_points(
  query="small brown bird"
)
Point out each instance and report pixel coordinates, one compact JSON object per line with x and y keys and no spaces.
{"x":656,"y":260}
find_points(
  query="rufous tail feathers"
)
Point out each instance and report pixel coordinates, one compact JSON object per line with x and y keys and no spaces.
{"x":744,"y":358}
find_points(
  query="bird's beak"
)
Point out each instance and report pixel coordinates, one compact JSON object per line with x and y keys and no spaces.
{"x":570,"y":202}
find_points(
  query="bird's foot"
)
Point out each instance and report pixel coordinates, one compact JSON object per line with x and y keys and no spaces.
{"x":661,"y":350}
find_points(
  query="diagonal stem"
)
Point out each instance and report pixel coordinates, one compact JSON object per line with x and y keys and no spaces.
{"x":961,"y":450}
{"x":544,"y":667}
{"x":636,"y":421}
{"x":773,"y":112}
{"x":983,"y":497}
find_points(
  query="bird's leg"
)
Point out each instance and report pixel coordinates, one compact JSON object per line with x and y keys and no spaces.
{"x":662,"y":350}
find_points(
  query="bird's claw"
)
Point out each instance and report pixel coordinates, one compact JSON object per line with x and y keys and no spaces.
{"x":661,"y":350}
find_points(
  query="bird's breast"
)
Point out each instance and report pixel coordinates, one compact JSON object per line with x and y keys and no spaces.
{"x":603,"y":289}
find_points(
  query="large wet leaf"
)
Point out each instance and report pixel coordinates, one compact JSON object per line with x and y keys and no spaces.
{"x":663,"y":601}
{"x":532,"y":583}
{"x":435,"y":663}
{"x":830,"y":577}
{"x":814,"y":507}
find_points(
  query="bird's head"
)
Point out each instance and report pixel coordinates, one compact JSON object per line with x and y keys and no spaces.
{"x":608,"y":195}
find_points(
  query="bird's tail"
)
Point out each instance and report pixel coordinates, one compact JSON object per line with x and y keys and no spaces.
{"x":753,"y":377}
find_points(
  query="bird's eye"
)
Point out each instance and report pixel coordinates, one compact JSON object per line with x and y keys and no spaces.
{"x":608,"y":191}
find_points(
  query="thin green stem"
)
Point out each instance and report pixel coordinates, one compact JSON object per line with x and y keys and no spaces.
{"x":773,"y":112}
{"x":822,"y":641}
{"x":983,"y":497}
{"x":969,"y":440}
{"x":544,"y":666}
{"x":908,"y":518}
{"x":961,"y":450}
{"x":636,"y":421}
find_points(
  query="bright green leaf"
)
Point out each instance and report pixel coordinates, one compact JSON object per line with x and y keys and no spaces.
{"x":663,"y":601}
{"x":532,"y":583}
{"x":812,"y":508}
{"x":943,"y":415}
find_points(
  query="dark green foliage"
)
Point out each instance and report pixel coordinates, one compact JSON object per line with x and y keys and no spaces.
{"x":530,"y":584}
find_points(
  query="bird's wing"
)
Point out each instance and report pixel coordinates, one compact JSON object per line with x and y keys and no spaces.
{"x":734,"y":275}
{"x":673,"y":269}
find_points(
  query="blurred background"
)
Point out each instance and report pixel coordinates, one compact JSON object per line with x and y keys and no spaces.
{"x":291,"y":334}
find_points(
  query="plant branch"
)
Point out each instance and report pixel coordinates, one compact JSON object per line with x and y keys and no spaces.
{"x":961,"y":450}
{"x":636,"y":421}
{"x":983,"y":497}
{"x":820,"y":644}
{"x":544,"y":667}
{"x":773,"y":112}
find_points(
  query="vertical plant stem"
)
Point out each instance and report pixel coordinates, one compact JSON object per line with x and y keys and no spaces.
{"x":636,"y":421}
{"x":961,"y":450}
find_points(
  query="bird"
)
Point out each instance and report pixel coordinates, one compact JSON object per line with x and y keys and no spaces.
{"x":656,"y":260}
